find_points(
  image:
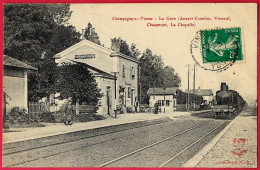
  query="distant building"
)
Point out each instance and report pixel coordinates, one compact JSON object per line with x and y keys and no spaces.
{"x":207,"y":94}
{"x":116,"y":74}
{"x":15,"y":86}
{"x":165,"y":98}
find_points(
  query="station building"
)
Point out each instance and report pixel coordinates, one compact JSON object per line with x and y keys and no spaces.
{"x":115,"y":73}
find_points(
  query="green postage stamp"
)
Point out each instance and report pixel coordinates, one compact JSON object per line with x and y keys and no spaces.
{"x":221,"y":45}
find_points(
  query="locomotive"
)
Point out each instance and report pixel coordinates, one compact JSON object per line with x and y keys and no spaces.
{"x":228,"y":102}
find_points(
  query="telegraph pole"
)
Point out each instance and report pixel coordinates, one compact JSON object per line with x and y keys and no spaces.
{"x":140,"y":85}
{"x":194,"y":104}
{"x":188,"y":87}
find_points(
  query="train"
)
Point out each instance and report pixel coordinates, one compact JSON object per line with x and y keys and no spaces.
{"x":228,"y":102}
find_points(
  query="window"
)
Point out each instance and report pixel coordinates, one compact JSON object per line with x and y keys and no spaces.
{"x":132,"y":72}
{"x":129,"y":92}
{"x":167,"y":103}
{"x":162,"y":102}
{"x":123,"y":70}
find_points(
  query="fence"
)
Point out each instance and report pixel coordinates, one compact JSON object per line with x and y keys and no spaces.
{"x":82,"y":108}
{"x":35,"y":108}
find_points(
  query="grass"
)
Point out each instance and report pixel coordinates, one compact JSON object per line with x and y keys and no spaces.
{"x":22,"y":125}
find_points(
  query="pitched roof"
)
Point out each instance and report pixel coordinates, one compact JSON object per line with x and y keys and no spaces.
{"x":95,"y":46}
{"x":99,"y":72}
{"x":201,"y":92}
{"x":9,"y":61}
{"x":161,"y":91}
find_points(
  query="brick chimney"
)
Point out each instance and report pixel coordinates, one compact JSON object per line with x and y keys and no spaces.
{"x":82,"y":37}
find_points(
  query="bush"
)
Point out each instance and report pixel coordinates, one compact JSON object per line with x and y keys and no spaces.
{"x":87,"y":117}
{"x":129,"y":110}
{"x":58,"y":117}
{"x":47,"y":117}
{"x":19,"y":116}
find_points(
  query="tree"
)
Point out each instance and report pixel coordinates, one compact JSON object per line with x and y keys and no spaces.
{"x":91,"y":35}
{"x":153,"y":73}
{"x":27,"y":30}
{"x":31,"y":29}
{"x":63,"y":37}
{"x":134,"y":51}
{"x":42,"y":83}
{"x":76,"y":81}
{"x":172,"y":79}
{"x":182,"y":98}
{"x":33,"y":33}
{"x":151,"y":70}
{"x":60,"y":13}
{"x":124,"y":47}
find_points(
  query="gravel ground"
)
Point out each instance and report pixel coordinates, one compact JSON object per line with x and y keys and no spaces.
{"x":158,"y":154}
{"x":221,"y":155}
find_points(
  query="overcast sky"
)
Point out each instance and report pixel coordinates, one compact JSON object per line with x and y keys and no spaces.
{"x":173,"y":43}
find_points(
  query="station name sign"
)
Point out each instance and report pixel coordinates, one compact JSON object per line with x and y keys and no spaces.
{"x":85,"y":56}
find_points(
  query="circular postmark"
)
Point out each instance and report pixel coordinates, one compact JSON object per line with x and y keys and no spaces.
{"x":217,"y":49}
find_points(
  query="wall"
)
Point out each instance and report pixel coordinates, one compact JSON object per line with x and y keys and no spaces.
{"x":103,"y":84}
{"x":154,"y":98}
{"x":208,"y":98}
{"x":15,"y":86}
{"x":106,"y":60}
{"x":126,"y":81}
{"x":102,"y":60}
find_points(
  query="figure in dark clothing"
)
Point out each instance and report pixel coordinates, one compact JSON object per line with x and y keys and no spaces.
{"x":136,"y":105}
{"x":156,"y":108}
{"x":69,"y":114}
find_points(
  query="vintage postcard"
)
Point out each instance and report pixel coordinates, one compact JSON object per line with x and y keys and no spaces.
{"x":130,"y":85}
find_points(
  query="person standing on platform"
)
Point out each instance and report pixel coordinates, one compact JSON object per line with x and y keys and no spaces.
{"x":69,"y":113}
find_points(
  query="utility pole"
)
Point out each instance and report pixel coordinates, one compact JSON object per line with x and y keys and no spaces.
{"x":188,"y":87}
{"x":194,"y":70}
{"x":140,"y":84}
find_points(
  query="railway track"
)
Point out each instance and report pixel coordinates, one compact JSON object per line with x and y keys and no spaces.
{"x":9,"y":149}
{"x":164,"y":140}
{"x":13,"y":152}
{"x":120,"y":134}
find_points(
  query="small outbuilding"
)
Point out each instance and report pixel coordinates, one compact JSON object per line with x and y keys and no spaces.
{"x":165,"y":97}
{"x":15,"y":86}
{"x":207,"y":94}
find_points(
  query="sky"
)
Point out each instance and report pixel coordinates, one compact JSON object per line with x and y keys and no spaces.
{"x":173,"y":42}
